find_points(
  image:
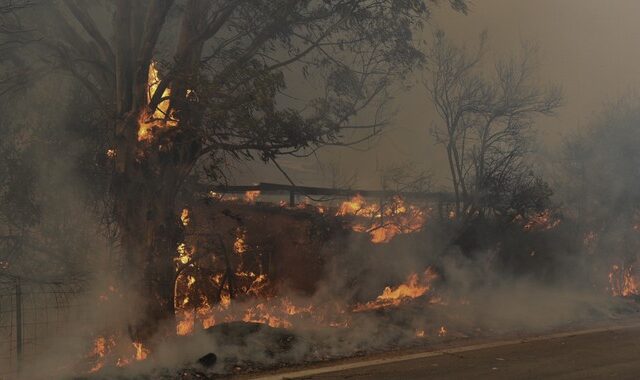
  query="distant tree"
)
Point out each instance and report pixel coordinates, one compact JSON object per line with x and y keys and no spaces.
{"x":184,"y":83}
{"x":600,"y":171}
{"x":598,"y":181}
{"x":485,"y":124}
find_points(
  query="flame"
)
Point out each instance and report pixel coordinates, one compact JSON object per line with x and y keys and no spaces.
{"x":386,"y":222}
{"x":420,"y":334}
{"x":358,"y":206}
{"x":202,"y":301}
{"x":413,"y":287}
{"x":111,"y":153}
{"x":141,"y":351}
{"x":623,"y":282}
{"x":442,"y":331}
{"x":239,"y":245}
{"x":105,"y":347}
{"x":185,"y":216}
{"x":160,"y":117}
{"x":185,"y":253}
{"x":276,"y":312}
{"x":541,"y":222}
{"x":101,"y":347}
{"x":251,"y":196}
{"x":186,"y":322}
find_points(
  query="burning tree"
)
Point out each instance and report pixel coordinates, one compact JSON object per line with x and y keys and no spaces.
{"x":182,"y":85}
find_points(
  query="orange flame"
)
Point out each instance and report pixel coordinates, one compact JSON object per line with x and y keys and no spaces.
{"x":414,"y":287}
{"x":256,"y":303}
{"x":239,"y":245}
{"x":541,"y":222}
{"x":101,"y":347}
{"x":160,"y":117}
{"x":185,"y":217}
{"x":385,"y":222}
{"x":251,"y":196}
{"x":104,"y":347}
{"x":141,"y":351}
{"x":623,"y":282}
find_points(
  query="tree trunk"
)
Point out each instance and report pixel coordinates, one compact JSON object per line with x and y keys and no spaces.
{"x":148,"y":175}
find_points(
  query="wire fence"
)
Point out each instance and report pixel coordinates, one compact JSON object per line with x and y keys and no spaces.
{"x":32,"y":313}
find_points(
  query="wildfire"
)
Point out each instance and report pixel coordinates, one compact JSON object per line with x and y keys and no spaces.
{"x":239,"y":245}
{"x":251,"y":196}
{"x":101,"y":347}
{"x":623,"y":282}
{"x":141,"y":351}
{"x":185,"y":217}
{"x":244,"y":293}
{"x":160,"y":117}
{"x":185,"y":253}
{"x":386,"y":222}
{"x":541,"y":222}
{"x":107,"y":347}
{"x":186,"y":321}
{"x":358,"y":206}
{"x":415,"y":286}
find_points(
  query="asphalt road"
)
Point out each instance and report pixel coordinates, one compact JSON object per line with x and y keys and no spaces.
{"x":597,"y":354}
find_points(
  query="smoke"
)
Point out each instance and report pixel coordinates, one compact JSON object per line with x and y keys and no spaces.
{"x":477,"y":293}
{"x":55,"y":239}
{"x":491,"y":279}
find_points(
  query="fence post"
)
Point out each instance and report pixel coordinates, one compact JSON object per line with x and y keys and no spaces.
{"x":18,"y":326}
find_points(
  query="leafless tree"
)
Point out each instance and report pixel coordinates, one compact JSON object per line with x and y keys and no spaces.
{"x":485,"y":120}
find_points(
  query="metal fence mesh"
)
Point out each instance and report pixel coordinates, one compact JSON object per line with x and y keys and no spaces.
{"x":31,"y":315}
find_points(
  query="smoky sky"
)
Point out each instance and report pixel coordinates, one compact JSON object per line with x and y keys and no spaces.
{"x":591,"y":48}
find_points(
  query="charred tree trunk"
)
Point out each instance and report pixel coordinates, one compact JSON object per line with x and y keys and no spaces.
{"x":149,"y":171}
{"x":148,"y":176}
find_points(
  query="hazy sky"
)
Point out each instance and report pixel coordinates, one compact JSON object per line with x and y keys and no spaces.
{"x":589,"y":47}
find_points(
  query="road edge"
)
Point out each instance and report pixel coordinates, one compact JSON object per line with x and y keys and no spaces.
{"x":434,"y":353}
